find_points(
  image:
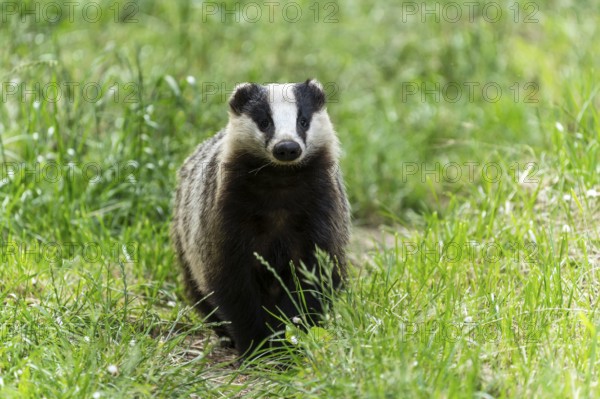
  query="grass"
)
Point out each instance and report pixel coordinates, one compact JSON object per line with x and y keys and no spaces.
{"x":482,"y":284}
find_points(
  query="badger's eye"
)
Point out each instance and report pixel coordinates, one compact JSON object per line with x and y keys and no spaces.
{"x":302,"y":121}
{"x":264,"y":124}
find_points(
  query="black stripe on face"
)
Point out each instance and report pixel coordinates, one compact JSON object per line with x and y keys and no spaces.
{"x":253,"y":100}
{"x":309,"y":99}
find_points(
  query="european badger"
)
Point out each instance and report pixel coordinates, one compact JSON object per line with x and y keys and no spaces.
{"x":269,"y":184}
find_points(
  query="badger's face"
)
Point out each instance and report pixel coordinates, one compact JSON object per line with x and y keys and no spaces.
{"x":282,"y":123}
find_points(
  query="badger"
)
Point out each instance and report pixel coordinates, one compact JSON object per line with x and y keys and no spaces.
{"x":265,"y":190}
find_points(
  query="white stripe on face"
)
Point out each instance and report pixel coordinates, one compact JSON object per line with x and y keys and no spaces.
{"x":284,"y":113}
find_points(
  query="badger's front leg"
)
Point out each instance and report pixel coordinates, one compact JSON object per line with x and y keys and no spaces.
{"x":237,"y":301}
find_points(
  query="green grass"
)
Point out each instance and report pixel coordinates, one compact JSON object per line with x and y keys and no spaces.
{"x":483,"y":285}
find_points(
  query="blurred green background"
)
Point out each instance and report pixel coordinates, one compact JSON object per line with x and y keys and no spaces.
{"x":460,"y":122}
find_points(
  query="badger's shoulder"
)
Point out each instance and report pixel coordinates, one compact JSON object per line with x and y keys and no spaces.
{"x":204,"y":153}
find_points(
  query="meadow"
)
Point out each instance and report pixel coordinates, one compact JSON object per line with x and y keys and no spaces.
{"x":471,"y":137}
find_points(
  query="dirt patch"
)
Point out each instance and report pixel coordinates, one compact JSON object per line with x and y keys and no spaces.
{"x":366,"y":240}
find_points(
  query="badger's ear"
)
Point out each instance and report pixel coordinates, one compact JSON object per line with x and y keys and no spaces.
{"x":311,"y":92}
{"x":315,"y":82}
{"x":242,"y":95}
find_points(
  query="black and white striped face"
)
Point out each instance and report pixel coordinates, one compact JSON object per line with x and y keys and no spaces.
{"x":283,"y":123}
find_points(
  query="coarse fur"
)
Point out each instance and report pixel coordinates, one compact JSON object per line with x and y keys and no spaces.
{"x":241,"y":194}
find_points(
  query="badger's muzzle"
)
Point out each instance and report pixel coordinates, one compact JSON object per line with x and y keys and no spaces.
{"x":287,"y":151}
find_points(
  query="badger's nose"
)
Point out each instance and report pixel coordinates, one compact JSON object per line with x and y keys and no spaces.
{"x":287,"y":151}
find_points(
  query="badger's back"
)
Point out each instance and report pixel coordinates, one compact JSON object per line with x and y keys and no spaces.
{"x":194,"y":199}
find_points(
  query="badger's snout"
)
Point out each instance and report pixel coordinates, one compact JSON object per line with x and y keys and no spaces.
{"x":287,"y":151}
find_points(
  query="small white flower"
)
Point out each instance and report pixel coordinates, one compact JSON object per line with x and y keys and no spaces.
{"x":191,"y":80}
{"x":592,"y":193}
{"x":112,"y":369}
{"x":35,"y":136}
{"x":296,"y":320}
{"x":36,"y":105}
{"x":566,"y":228}
{"x":567,"y":197}
{"x":71,"y":152}
{"x":96,"y":395}
{"x":559,"y":127}
{"x":171,"y":304}
{"x":468,"y":319}
{"x":86,"y":338}
{"x":294,"y":340}
{"x":51,"y":130}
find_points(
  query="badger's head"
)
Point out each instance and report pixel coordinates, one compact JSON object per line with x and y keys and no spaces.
{"x":283,"y":124}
